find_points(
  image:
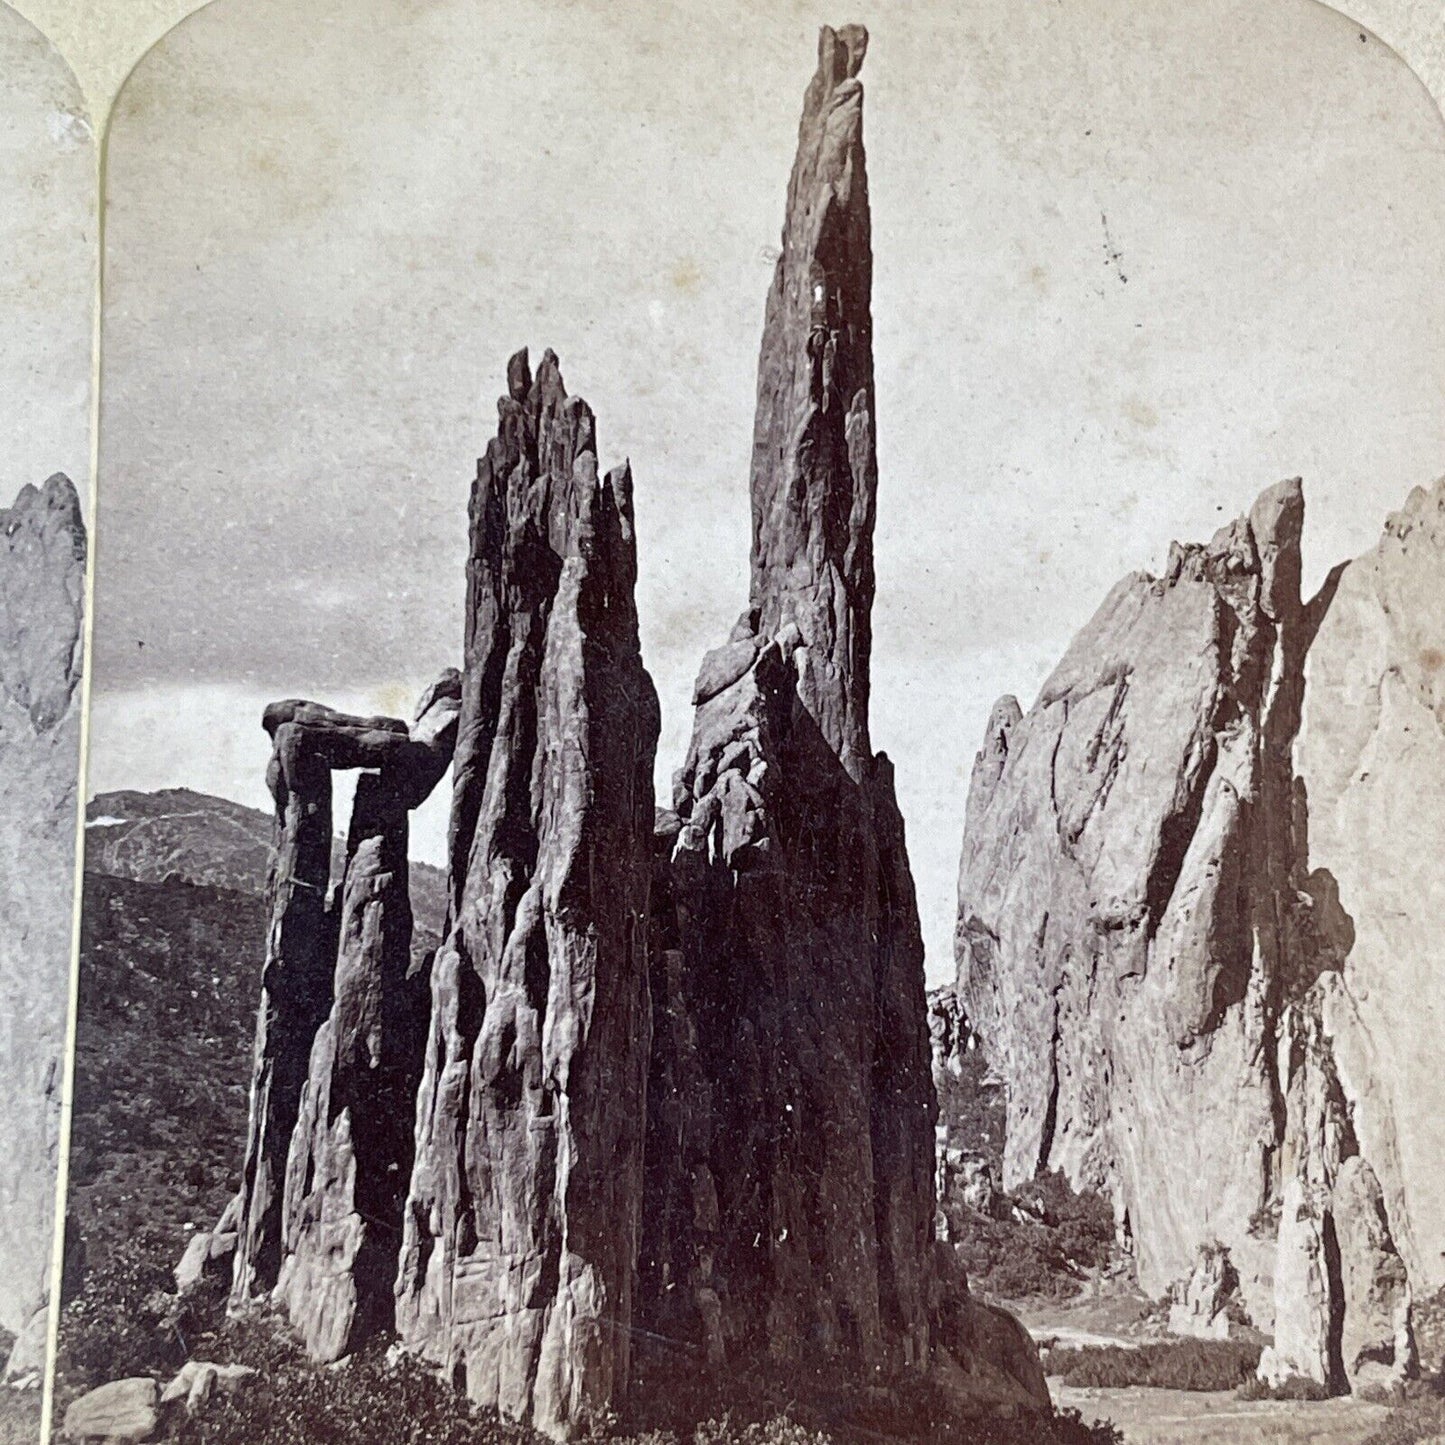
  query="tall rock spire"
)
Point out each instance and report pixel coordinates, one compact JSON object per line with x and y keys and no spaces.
{"x":521,"y":1226}
{"x":791,"y":1112}
{"x":814,"y":467}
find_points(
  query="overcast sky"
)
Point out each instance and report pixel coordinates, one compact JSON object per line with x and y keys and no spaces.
{"x":1134,"y":263}
{"x":47,"y":260}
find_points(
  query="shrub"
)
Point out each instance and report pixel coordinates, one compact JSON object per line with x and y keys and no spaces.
{"x":294,"y":1403}
{"x":1204,"y":1365}
{"x":1297,"y":1388}
{"x":1051,"y":1241}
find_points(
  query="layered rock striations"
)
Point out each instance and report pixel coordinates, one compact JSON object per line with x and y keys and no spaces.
{"x":1157,"y":952}
{"x":42,"y":585}
{"x":522,"y":1219}
{"x":791,"y":1109}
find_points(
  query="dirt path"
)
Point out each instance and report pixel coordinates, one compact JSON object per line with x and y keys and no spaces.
{"x":1178,"y":1417}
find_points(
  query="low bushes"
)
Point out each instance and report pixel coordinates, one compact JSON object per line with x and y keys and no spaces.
{"x":1206,"y":1365}
{"x":1296,"y":1387}
{"x":292,"y":1402}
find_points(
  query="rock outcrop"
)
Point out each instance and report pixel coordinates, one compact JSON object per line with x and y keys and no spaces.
{"x":350,"y":1154}
{"x":791,"y":1109}
{"x":42,"y":585}
{"x":1371,"y":760}
{"x":121,"y":1411}
{"x":1169,"y":866}
{"x":674,"y":1080}
{"x":525,"y":1200}
{"x":339,"y":1034}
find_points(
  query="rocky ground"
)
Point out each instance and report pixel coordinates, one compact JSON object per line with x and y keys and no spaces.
{"x":19,"y":1417}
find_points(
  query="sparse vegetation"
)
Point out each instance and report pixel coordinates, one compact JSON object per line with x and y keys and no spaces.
{"x":1204,"y":1365}
{"x":19,"y":1417}
{"x":1297,"y":1388}
{"x":1051,"y":1240}
{"x":296,"y":1403}
{"x":1418,"y":1420}
{"x":168,"y":995}
{"x":168,"y":984}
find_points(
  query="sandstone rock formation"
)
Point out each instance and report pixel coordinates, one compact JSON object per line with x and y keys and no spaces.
{"x":120,"y":1411}
{"x":791,"y":1108}
{"x":522,"y":1220}
{"x":1371,"y":761}
{"x":42,"y":583}
{"x":678,"y":1055}
{"x":339,"y":1033}
{"x":1159,"y":950}
{"x":351,"y":1154}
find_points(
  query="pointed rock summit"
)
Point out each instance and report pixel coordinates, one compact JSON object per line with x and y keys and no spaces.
{"x":526,"y":1195}
{"x":1190,"y":937}
{"x":670,"y":1082}
{"x":42,"y":591}
{"x":791,"y":1111}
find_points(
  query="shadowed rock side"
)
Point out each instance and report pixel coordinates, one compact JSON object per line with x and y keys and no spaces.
{"x":791,"y":1108}
{"x":522,"y":1222}
{"x":338,"y":1036}
{"x":42,"y":585}
{"x":1148,"y":957}
{"x":350,"y":1155}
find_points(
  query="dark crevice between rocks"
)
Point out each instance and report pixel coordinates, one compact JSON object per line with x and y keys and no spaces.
{"x":1051,"y":1107}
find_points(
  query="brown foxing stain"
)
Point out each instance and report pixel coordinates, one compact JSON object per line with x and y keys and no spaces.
{"x":1141,"y":413}
{"x":393,"y":700}
{"x":686,"y":276}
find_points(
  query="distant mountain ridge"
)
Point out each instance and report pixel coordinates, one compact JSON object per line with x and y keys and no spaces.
{"x":202,"y":839}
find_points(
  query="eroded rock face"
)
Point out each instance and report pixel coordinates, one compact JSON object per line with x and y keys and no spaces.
{"x":339,"y":1034}
{"x":791,"y":1110}
{"x":1371,"y":757}
{"x":1120,"y":950}
{"x":1159,"y":949}
{"x":522,"y":1219}
{"x":1342,"y":1297}
{"x":42,"y":584}
{"x":350,"y":1155}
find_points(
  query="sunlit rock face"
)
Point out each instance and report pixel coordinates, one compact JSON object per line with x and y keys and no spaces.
{"x":1183,"y":871}
{"x":42,"y":588}
{"x":521,"y":1223}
